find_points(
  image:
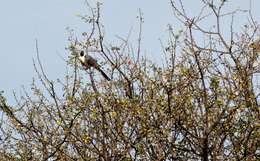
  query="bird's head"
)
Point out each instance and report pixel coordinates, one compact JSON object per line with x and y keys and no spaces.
{"x":82,"y":56}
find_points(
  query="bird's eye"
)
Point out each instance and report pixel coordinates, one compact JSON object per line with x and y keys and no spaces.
{"x":82,"y":53}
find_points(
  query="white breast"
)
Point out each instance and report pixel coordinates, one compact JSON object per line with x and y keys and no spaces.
{"x":82,"y":59}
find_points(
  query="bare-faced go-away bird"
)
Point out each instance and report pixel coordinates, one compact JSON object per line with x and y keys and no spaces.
{"x":87,"y":62}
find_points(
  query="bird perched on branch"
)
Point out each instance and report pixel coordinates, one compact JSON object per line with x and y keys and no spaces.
{"x":88,"y":62}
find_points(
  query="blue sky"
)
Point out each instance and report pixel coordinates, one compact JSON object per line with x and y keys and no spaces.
{"x":24,"y":21}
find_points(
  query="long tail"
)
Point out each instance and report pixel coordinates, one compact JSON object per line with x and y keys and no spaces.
{"x":103,"y":74}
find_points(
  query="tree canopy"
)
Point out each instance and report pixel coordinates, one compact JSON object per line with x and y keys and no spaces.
{"x":201,"y":103}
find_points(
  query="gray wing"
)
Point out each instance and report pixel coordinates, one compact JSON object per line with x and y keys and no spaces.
{"x":93,"y":63}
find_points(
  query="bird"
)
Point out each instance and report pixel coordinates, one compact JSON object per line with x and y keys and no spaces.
{"x":87,"y":62}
